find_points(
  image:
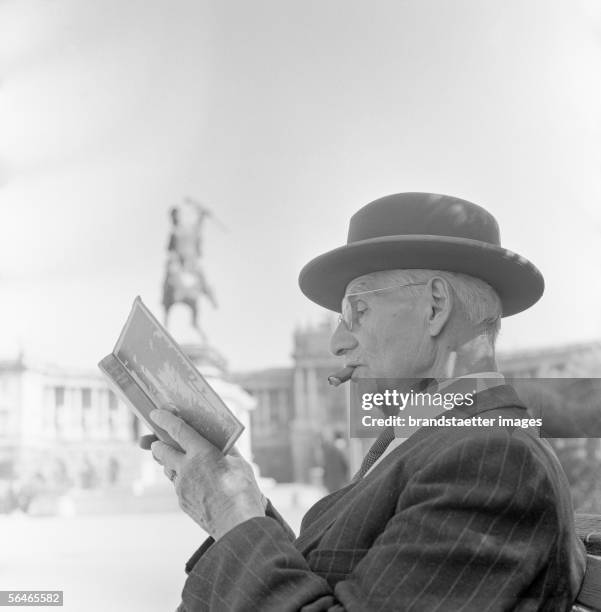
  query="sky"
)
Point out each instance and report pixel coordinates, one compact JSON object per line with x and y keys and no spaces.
{"x":284,"y":117}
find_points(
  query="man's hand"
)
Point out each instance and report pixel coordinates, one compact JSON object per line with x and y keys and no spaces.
{"x":218,"y":491}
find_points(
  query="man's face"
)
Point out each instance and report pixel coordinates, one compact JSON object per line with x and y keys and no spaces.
{"x":387,"y":338}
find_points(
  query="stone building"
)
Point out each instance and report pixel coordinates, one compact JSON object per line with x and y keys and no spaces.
{"x":296,"y":408}
{"x":63,"y":427}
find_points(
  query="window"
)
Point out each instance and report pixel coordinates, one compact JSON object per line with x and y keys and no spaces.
{"x":4,"y":420}
{"x":113,"y":407}
{"x":6,"y":469}
{"x":275,"y":408}
{"x":86,"y":397}
{"x":135,"y":427}
{"x":113,"y":404}
{"x":59,"y":404}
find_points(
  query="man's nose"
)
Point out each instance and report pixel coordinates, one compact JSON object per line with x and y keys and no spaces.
{"x":342,"y":340}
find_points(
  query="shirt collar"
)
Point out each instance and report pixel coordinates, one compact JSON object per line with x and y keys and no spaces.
{"x":484,"y":380}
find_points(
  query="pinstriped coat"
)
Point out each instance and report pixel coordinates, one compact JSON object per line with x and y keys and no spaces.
{"x":452,"y":519}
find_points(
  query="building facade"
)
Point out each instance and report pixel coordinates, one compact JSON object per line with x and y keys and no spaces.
{"x":63,"y":427}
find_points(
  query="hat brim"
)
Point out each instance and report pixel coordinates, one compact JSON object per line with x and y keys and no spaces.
{"x":516,"y":280}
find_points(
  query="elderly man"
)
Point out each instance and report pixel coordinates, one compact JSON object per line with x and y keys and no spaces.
{"x":450,"y":519}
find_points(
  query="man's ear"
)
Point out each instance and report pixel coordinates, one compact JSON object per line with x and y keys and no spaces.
{"x":440,"y":306}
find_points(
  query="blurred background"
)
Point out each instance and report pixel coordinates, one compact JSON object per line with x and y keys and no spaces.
{"x":264,"y":126}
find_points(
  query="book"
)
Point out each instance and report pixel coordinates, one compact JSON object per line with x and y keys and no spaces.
{"x":148,"y":370}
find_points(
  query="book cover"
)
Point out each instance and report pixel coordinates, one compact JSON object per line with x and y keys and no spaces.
{"x":149,"y":370}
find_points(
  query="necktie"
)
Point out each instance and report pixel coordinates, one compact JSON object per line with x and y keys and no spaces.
{"x":384,"y":439}
{"x":374,"y":453}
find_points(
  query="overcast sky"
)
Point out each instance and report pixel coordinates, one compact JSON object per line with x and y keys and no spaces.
{"x":285,"y":117}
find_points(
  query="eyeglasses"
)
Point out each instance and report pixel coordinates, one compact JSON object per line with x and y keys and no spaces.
{"x":349,"y":312}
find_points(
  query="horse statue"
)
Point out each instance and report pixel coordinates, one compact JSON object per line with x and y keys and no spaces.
{"x":185,"y":280}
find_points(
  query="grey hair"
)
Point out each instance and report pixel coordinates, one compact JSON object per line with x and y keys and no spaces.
{"x":479,"y":302}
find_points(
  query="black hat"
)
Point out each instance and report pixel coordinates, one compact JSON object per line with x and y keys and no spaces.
{"x":423,"y":231}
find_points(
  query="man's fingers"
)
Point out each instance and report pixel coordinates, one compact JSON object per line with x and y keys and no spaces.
{"x":166,"y":455}
{"x":180,"y":431}
{"x":146,"y":441}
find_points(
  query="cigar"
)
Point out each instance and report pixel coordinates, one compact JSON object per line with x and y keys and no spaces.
{"x":341,"y":376}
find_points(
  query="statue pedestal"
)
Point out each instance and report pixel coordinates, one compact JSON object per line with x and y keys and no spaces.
{"x":205,"y":358}
{"x":213,"y":366}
